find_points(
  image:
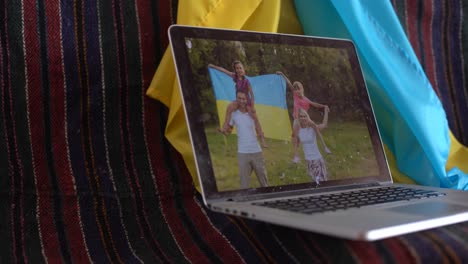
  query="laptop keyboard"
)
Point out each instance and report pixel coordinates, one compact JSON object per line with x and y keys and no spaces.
{"x":353,"y":199}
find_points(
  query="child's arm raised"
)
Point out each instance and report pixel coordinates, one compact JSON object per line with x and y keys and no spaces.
{"x":221,"y":69}
{"x":324,"y":123}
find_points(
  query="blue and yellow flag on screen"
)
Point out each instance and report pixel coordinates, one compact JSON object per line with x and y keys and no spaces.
{"x":270,"y":101}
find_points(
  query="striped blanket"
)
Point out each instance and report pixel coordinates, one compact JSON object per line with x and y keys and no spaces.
{"x":437,"y":32}
{"x":87,"y":175}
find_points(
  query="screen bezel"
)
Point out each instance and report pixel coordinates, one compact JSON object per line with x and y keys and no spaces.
{"x":193,"y":111}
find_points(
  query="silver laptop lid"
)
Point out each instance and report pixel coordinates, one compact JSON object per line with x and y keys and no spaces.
{"x":329,"y":73}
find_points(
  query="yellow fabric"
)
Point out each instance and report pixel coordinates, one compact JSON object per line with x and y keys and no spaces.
{"x":458,"y":156}
{"x":281,"y":129}
{"x":288,"y":19}
{"x":257,"y":15}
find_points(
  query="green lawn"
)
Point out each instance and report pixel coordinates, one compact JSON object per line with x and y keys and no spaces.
{"x":352,"y":156}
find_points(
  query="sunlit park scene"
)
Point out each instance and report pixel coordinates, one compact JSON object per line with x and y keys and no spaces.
{"x":327,"y":78}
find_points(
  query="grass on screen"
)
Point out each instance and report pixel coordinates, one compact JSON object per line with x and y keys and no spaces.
{"x":352,"y":156}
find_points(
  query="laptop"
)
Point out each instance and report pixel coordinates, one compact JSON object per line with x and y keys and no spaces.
{"x":283,"y":131}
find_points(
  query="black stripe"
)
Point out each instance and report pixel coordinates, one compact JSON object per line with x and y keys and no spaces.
{"x":157,"y":29}
{"x":447,"y":62}
{"x":384,"y":252}
{"x":10,"y":166}
{"x":113,"y":133}
{"x":136,"y":137}
{"x":267,"y":243}
{"x":32,"y":246}
{"x":334,"y":248}
{"x":130,"y":169}
{"x":456,"y":88}
{"x":241,"y":224}
{"x":400,"y":9}
{"x":445,"y":249}
{"x":420,"y":33}
{"x":295,"y":246}
{"x":463,"y":138}
{"x":46,"y":97}
{"x":175,"y":4}
{"x":169,"y":160}
{"x":316,"y":254}
{"x":230,"y":230}
{"x":86,"y":136}
{"x":127,"y":136}
{"x":270,"y":241}
{"x":14,"y":172}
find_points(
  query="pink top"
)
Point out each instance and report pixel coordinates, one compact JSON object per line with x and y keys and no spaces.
{"x":300,"y":102}
{"x":243,"y":85}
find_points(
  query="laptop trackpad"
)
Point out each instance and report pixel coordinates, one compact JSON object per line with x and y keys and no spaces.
{"x":430,"y":209}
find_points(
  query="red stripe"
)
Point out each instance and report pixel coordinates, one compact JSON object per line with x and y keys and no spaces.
{"x":45,"y":209}
{"x":138,"y":190}
{"x":144,"y":15}
{"x":411,"y":23}
{"x":127,"y":123}
{"x":313,"y":244}
{"x":365,"y":252}
{"x":210,"y":234}
{"x":200,"y":220}
{"x":400,"y":252}
{"x":300,"y":239}
{"x":148,"y":68}
{"x":168,"y":208}
{"x":62,"y":167}
{"x":147,"y":41}
{"x":214,"y":238}
{"x":125,"y":166}
{"x":428,"y":49}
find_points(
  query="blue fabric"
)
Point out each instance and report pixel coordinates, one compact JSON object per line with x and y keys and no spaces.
{"x":269,"y":89}
{"x":410,"y":116}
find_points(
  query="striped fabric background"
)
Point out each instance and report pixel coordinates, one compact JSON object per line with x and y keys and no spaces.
{"x":438,"y":32}
{"x":87,"y":175}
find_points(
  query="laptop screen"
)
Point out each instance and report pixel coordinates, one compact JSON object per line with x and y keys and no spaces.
{"x":272,"y":112}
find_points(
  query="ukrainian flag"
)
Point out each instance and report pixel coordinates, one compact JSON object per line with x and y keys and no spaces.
{"x":412,"y":121}
{"x":270,"y":101}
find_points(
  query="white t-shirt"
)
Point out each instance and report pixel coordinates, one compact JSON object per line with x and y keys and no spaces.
{"x":308,"y":139}
{"x":246,"y":137}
